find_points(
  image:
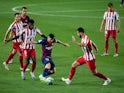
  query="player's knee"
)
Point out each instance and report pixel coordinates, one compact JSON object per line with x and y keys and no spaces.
{"x":75,"y":64}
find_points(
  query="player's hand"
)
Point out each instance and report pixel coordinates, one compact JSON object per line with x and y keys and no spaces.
{"x":73,"y":39}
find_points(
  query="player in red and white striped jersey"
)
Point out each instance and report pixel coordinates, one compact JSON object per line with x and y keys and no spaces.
{"x":28,"y":49}
{"x":109,"y":19}
{"x":88,"y":58}
{"x":15,"y":28}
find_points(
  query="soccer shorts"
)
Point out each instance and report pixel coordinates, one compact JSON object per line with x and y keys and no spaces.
{"x":17,"y":46}
{"x":109,"y":33}
{"x":27,"y":53}
{"x":90,"y":63}
{"x":46,"y":60}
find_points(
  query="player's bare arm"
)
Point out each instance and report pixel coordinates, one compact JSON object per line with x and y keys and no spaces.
{"x":77,"y":43}
{"x":95,"y":47}
{"x":118,"y":25}
{"x":60,"y":42}
{"x":102,"y":24}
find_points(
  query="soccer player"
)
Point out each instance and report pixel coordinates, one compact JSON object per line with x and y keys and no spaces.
{"x":110,"y":19}
{"x":24,"y":19}
{"x":15,"y":28}
{"x":88,"y":58}
{"x":47,"y":44}
{"x":28,"y":49}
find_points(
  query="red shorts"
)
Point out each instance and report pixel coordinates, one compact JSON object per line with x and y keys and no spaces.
{"x":17,"y":46}
{"x":28,"y":53}
{"x":110,"y":32}
{"x":91,"y":63}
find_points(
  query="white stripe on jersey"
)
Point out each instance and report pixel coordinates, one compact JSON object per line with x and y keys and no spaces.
{"x":29,"y":35}
{"x":88,"y":52}
{"x":110,"y":18}
{"x":17,"y":28}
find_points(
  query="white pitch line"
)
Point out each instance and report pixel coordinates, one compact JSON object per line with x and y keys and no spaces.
{"x":15,"y":9}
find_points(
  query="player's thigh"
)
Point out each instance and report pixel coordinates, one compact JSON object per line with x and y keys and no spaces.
{"x":81,"y":60}
{"x":113,"y":34}
{"x":91,"y":64}
{"x":25,"y":53}
{"x":107,"y":34}
{"x":32,"y":53}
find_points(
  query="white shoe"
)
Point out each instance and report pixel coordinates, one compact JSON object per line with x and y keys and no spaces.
{"x":115,"y":55}
{"x":32,"y":75}
{"x":67,"y":81}
{"x":5,"y":65}
{"x":43,"y":79}
{"x":104,"y":54}
{"x":23,"y":75}
{"x":106,"y":82}
{"x":27,"y":69}
{"x":10,"y":62}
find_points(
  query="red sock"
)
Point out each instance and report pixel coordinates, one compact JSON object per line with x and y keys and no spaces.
{"x":9,"y":58}
{"x":72,"y":72}
{"x":116,"y":47}
{"x":33,"y":67}
{"x":24,"y":67}
{"x":21,"y":61}
{"x":100,"y":75}
{"x":106,"y":47}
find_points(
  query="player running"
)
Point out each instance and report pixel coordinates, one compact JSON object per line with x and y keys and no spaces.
{"x":88,"y":58}
{"x":110,"y":18}
{"x":47,"y":44}
{"x":15,"y":28}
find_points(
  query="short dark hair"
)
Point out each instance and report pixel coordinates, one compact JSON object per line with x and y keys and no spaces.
{"x":24,"y":7}
{"x":80,"y":29}
{"x":31,"y":21}
{"x":16,"y":14}
{"x":110,"y":4}
{"x":51,"y":36}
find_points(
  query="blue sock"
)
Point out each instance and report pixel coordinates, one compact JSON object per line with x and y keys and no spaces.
{"x":46,"y":72}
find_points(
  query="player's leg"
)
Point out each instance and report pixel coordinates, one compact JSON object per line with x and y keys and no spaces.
{"x":92,"y":67}
{"x":79,"y":61}
{"x":33,"y":67}
{"x":9,"y":58}
{"x":113,"y":33}
{"x":106,"y":45}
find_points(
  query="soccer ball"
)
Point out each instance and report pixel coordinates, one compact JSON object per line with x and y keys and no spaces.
{"x":49,"y":81}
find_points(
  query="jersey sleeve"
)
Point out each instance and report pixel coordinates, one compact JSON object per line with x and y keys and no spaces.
{"x":116,"y":16}
{"x":42,"y":41}
{"x":104,"y":16}
{"x":11,"y":27}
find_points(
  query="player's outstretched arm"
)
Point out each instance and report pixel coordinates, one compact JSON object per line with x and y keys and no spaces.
{"x":60,"y":42}
{"x":77,"y":43}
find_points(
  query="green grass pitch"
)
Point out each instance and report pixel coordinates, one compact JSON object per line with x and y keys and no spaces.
{"x":63,"y":17}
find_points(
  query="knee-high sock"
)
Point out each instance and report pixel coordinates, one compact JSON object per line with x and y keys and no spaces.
{"x":21,"y":61}
{"x":46,"y":72}
{"x":116,"y":47}
{"x":9,"y":58}
{"x":106,"y":47}
{"x":100,"y":75}
{"x":72,"y":72}
{"x":33,"y":67}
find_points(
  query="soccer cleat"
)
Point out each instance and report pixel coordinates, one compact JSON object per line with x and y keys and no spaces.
{"x":106,"y":82}
{"x":67,"y":81}
{"x":23,"y":75}
{"x":5,"y":65}
{"x":104,"y":54}
{"x":43,"y":79}
{"x":115,"y":55}
{"x":10,"y":62}
{"x":32,"y":75}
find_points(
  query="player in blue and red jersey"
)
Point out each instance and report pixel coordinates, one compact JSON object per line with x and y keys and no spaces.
{"x":47,"y":44}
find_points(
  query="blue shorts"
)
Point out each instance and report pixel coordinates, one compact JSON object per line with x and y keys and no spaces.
{"x":48,"y":60}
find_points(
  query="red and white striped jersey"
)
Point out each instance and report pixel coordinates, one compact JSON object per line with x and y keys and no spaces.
{"x":110,"y":18}
{"x":16,"y":28}
{"x":88,"y":52}
{"x":29,"y":36}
